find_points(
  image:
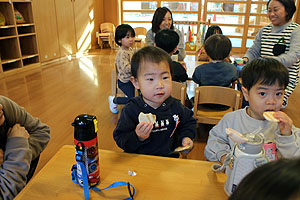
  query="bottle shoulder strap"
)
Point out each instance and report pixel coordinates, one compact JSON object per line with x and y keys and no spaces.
{"x":86,"y":183}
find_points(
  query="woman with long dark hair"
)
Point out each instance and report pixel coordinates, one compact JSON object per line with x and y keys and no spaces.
{"x":162,"y":19}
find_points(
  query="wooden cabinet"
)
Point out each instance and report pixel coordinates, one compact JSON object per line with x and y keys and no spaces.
{"x":46,"y":28}
{"x":18,"y":45}
{"x":66,"y":27}
{"x":60,"y":25}
{"x":73,"y":26}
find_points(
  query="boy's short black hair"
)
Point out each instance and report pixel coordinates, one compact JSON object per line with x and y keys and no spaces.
{"x":259,"y":184}
{"x":213,"y":29}
{"x":148,"y":54}
{"x":167,"y":40}
{"x":217,"y":47}
{"x":267,"y":71}
{"x":122,"y":31}
{"x":289,"y":6}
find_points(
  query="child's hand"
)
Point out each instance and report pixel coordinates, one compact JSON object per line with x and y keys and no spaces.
{"x":17,"y":131}
{"x":187,"y":142}
{"x":143,"y":130}
{"x":246,"y":59}
{"x":285,"y":123}
{"x":223,"y":159}
{"x":1,"y":156}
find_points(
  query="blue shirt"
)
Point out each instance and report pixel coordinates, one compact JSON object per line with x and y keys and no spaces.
{"x":215,"y":74}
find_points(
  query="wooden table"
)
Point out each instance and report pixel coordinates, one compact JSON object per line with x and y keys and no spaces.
{"x":191,"y":64}
{"x":157,"y":178}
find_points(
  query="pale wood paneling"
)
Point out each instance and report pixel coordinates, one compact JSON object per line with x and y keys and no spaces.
{"x":97,"y":7}
{"x":46,"y":28}
{"x":111,"y":11}
{"x":82,"y":24}
{"x":65,"y":27}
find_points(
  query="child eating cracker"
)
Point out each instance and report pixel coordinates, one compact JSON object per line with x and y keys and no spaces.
{"x":264,"y":81}
{"x":174,"y":125}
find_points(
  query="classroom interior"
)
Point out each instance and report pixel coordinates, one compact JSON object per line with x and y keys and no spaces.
{"x":67,"y":74}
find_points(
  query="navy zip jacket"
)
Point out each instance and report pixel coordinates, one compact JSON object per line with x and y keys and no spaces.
{"x":161,"y":141}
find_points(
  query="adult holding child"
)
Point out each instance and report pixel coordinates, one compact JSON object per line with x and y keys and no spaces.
{"x":279,"y":40}
{"x":162,"y":19}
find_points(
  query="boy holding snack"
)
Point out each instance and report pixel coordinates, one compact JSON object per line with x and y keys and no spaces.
{"x":169,"y":124}
{"x":264,"y":81}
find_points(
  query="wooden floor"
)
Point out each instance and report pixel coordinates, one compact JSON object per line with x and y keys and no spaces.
{"x":58,"y":92}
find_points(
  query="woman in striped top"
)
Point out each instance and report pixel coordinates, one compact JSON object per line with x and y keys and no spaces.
{"x":279,"y":40}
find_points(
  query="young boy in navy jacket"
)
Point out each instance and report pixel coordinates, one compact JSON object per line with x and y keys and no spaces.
{"x":174,"y":125}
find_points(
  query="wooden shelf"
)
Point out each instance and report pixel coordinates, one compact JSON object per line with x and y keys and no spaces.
{"x":26,"y":34}
{"x":25,"y":9}
{"x":6,"y":61}
{"x":8,"y":26}
{"x":6,"y":31}
{"x":11,"y":65}
{"x":25,"y":30}
{"x":7,"y":37}
{"x":30,"y":59}
{"x":28,"y":24}
{"x":29,"y":56}
{"x":7,"y":10}
{"x":18,"y":45}
{"x":21,"y":0}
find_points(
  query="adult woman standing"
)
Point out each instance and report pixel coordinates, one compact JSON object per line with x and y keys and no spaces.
{"x":162,"y":19}
{"x":280,"y":40}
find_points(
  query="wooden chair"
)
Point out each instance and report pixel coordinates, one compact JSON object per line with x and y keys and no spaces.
{"x":115,"y":91}
{"x":235,"y":85}
{"x":107,"y":34}
{"x":140,"y":31}
{"x":179,"y":91}
{"x":214,"y":95}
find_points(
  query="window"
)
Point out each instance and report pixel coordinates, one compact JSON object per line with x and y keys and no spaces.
{"x":240,"y":20}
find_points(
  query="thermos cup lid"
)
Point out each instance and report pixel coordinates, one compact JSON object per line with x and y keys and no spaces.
{"x":85,"y":127}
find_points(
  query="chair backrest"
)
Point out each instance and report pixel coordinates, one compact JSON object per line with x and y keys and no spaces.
{"x":140,"y":31}
{"x":214,"y":95}
{"x":218,"y":95}
{"x":179,"y":91}
{"x":107,"y":27}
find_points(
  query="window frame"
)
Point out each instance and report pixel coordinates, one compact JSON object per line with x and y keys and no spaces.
{"x":203,"y":17}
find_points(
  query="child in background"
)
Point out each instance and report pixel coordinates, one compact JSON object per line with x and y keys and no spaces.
{"x":168,"y":40}
{"x":264,"y":81}
{"x":124,"y":37}
{"x":201,"y":55}
{"x":218,"y":72}
{"x":174,"y":124}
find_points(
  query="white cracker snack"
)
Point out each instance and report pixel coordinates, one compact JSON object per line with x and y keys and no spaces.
{"x":179,"y":149}
{"x":270,"y":116}
{"x":147,"y":118}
